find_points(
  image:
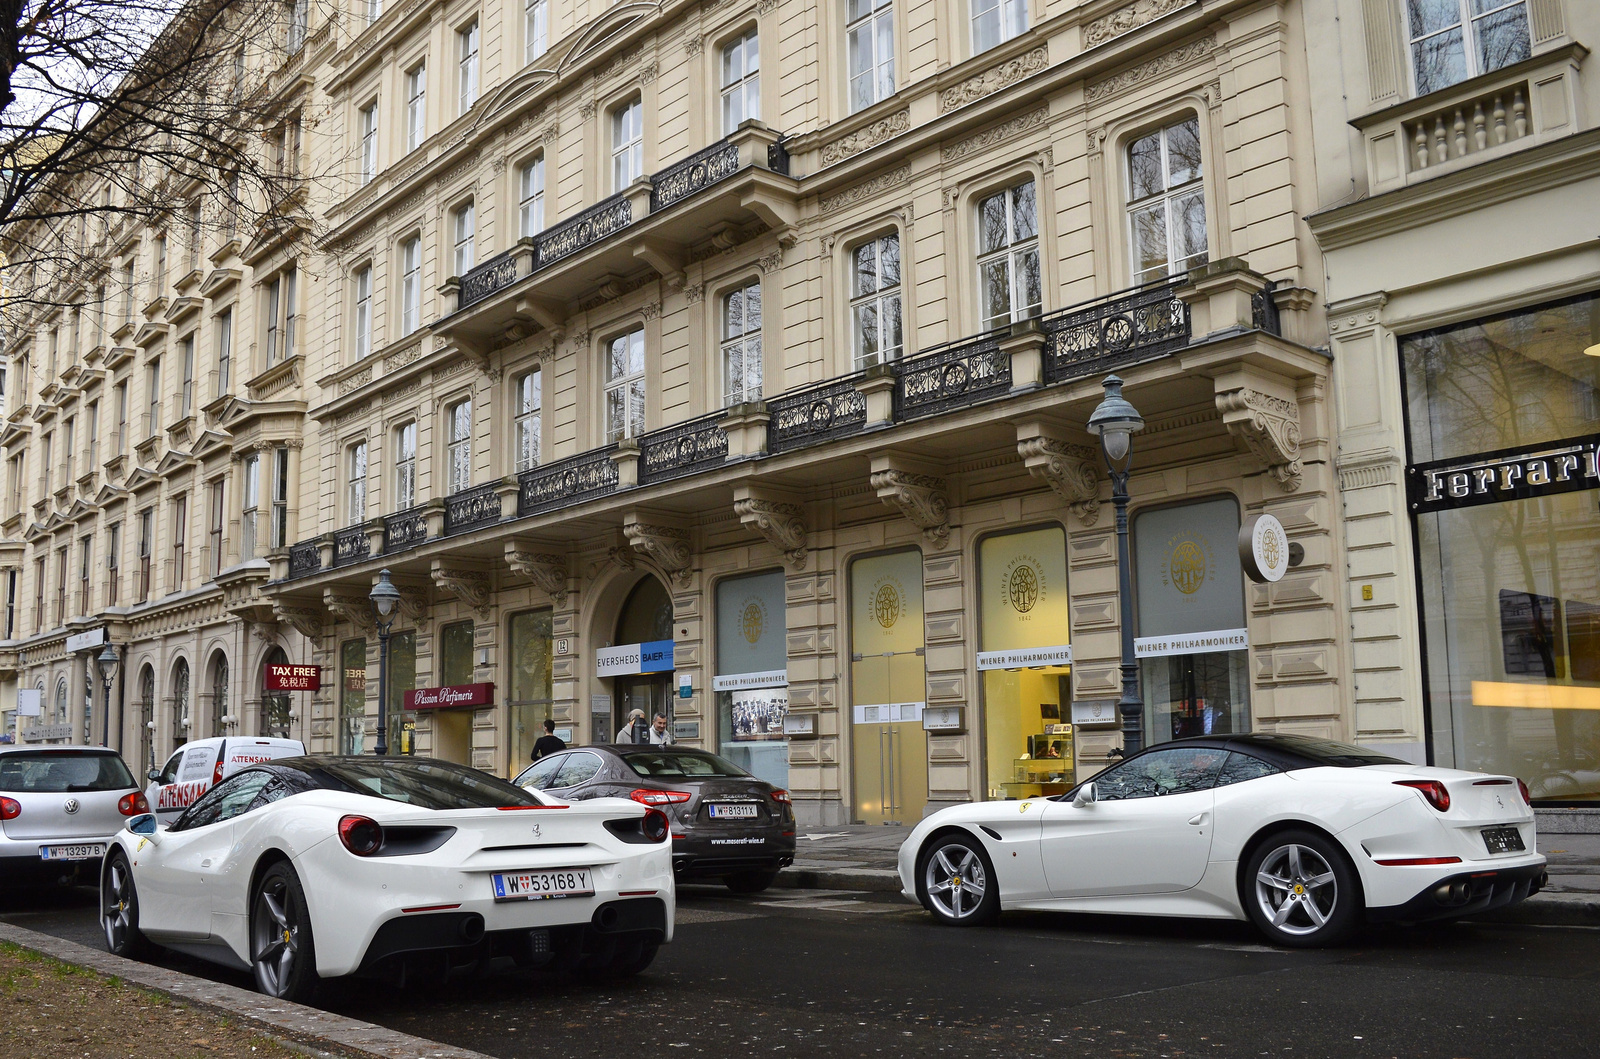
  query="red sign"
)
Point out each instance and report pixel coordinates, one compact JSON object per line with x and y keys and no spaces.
{"x":292,"y":678}
{"x":449,"y":697}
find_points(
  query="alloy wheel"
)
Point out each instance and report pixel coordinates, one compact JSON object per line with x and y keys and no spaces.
{"x":278,"y":919}
{"x":955,"y":880}
{"x":116,"y":906}
{"x":1297,"y":889}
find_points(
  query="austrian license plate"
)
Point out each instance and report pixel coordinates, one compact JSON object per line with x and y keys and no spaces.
{"x":732,"y":812}
{"x":87,"y":851}
{"x":1503,"y":840}
{"x":543,"y":885}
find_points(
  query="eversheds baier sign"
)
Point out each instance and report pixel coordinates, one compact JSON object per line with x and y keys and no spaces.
{"x":292,"y":678}
{"x":447,"y":697}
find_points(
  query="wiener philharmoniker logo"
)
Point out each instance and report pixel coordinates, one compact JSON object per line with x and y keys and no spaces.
{"x":1188,"y":559}
{"x":1271,"y":550}
{"x":753,"y":619}
{"x":888,"y":602}
{"x":1024,"y":583}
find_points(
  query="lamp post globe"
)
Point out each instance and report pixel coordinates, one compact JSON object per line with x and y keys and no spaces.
{"x":385,"y":596}
{"x":1116,"y":421}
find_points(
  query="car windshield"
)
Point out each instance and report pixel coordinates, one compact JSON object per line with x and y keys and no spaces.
{"x":428,"y":784}
{"x":682,"y":764}
{"x":1326,"y":751}
{"x":60,"y":771}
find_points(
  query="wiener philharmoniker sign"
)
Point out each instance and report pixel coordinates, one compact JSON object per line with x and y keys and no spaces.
{"x":1561,"y":467}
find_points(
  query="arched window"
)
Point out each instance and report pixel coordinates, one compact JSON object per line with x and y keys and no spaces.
{"x":180,"y":703}
{"x":274,"y":704}
{"x":219,"y":692}
{"x":58,"y":708}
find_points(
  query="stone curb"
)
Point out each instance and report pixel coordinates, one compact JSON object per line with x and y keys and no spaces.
{"x":1544,"y":909}
{"x":297,"y":1025}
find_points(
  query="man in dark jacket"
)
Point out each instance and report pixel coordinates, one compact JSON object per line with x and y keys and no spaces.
{"x":549,"y":743}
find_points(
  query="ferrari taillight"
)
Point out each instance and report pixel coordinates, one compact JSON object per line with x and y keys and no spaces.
{"x":10,"y":808}
{"x":1432,"y":790}
{"x":360,"y":835}
{"x":644,"y":796}
{"x":216,"y":772}
{"x":655,"y":826}
{"x":1527,"y":795}
{"x":133,"y":805}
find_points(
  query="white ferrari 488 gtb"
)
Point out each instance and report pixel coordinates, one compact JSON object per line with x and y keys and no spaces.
{"x":317,"y":867}
{"x":1303,"y":837}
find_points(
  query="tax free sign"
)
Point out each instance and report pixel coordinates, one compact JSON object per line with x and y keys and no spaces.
{"x":627,"y":659}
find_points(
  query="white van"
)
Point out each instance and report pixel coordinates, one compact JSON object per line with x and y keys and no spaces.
{"x":194,"y":767}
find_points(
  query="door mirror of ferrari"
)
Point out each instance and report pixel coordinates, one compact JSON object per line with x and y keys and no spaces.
{"x":1084,"y":796}
{"x":143,"y":824}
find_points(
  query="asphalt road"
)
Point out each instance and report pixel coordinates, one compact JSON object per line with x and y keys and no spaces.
{"x":813,"y":973}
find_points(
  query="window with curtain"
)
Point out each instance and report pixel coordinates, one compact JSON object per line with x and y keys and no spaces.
{"x":363,"y":321}
{"x":369,"y":141}
{"x":530,"y":205}
{"x":464,"y":224}
{"x":467,"y":61}
{"x":741,"y":81}
{"x":411,"y":285}
{"x":356,"y":487}
{"x":536,"y":28}
{"x":416,"y":106}
{"x":405,"y":467}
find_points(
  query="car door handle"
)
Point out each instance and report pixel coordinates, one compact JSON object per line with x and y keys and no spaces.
{"x":1198,"y":818}
{"x":207,"y":862}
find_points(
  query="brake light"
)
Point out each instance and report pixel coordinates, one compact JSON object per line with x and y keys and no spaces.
{"x":648,"y":797}
{"x":1432,"y":790}
{"x":1527,"y":795}
{"x":655,"y":826}
{"x":1408,"y":861}
{"x":360,"y":835}
{"x":133,"y":805}
{"x":216,"y":773}
{"x":781,"y":795}
{"x":10,"y":808}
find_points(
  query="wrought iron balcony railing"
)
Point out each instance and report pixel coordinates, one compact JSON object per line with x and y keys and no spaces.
{"x":305,"y":558}
{"x":404,"y":529}
{"x":567,"y":482}
{"x":471,"y":508}
{"x":495,"y":274}
{"x":682,"y":449}
{"x":695,"y":173}
{"x":953,"y":375}
{"x":604,"y":218}
{"x":1110,"y":333}
{"x":350,"y":546}
{"x":817,"y":413}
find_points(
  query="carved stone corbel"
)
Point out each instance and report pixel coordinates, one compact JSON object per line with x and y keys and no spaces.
{"x":357,"y":610}
{"x":1071,"y":470}
{"x":920,"y":498}
{"x":548,"y":572}
{"x":1266,"y":423}
{"x":666,"y":546}
{"x":782,"y":524}
{"x":308,"y":621}
{"x":469,"y":586}
{"x":414,"y":601}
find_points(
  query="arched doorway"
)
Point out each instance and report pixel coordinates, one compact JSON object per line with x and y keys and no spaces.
{"x":646,"y":617}
{"x":274,"y":704}
{"x":147,"y":713}
{"x":180,"y":703}
{"x":219,"y":692}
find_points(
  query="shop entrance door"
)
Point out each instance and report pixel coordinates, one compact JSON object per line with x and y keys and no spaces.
{"x":452,"y":736}
{"x":890,"y":748}
{"x":650,"y":692}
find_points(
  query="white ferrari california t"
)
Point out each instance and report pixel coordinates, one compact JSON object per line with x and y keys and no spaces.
{"x":1303,"y":837}
{"x":312,"y":867}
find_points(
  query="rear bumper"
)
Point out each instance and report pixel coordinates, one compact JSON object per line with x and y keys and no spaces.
{"x":1466,"y":893}
{"x":21,"y":865}
{"x":700,"y":856}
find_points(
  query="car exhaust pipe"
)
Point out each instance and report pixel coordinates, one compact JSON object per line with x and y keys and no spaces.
{"x":471,"y":929}
{"x":1452,"y":893}
{"x":606,"y":918}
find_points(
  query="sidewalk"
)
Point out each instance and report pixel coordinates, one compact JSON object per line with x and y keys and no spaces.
{"x":862,"y":857}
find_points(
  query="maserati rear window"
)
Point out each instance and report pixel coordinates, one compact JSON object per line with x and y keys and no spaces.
{"x":430,"y":785}
{"x":677,"y":765}
{"x":63,"y":771}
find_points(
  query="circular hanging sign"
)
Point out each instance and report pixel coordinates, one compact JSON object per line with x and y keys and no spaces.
{"x":1263,"y":548}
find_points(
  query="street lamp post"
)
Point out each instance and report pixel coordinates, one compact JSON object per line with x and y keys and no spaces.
{"x":384,"y":596}
{"x":107,"y":662}
{"x":1116,"y":421}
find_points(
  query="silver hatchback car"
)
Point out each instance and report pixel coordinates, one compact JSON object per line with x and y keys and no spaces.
{"x":59,"y":806}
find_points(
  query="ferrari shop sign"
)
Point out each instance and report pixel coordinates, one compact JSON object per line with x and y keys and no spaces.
{"x":280,"y":677}
{"x":450,"y":697}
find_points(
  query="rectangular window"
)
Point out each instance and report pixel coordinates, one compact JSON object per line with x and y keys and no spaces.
{"x":14,"y":473}
{"x":280,"y":497}
{"x":369,"y":141}
{"x":459,"y":455}
{"x":627,"y":144}
{"x":38,"y":596}
{"x":61,"y":585}
{"x":1008,"y":255}
{"x":85,"y":551}
{"x":405,"y":467}
{"x":250,"y":502}
{"x":356,"y":488}
{"x":274,"y":338}
{"x":996,"y":21}
{"x":224,"y":353}
{"x":11,"y":605}
{"x":158,"y":279}
{"x":363,"y":321}
{"x":741,"y":345}
{"x":875,"y":301}
{"x":299,"y":14}
{"x":146,"y":543}
{"x":91,"y":450}
{"x":625,"y":386}
{"x":741,"y":82}
{"x":531,"y":691}
{"x":751,"y":640}
{"x":416,"y":106}
{"x":352,"y":695}
{"x":374,"y":10}
{"x":180,"y":541}
{"x":1453,"y":40}
{"x":530,"y":403}
{"x":186,"y":393}
{"x":120,"y":442}
{"x":531,"y":197}
{"x":288,"y":313}
{"x":869,"y":40}
{"x":113,"y":563}
{"x":127,"y":292}
{"x":464,"y":223}
{"x":215,"y":522}
{"x":411,"y":285}
{"x":467,"y":50}
{"x":455,"y":653}
{"x":536,"y":28}
{"x":46,"y":456}
{"x":194,"y":236}
{"x":152,"y":383}
{"x":1166,"y":202}
{"x":69,"y":430}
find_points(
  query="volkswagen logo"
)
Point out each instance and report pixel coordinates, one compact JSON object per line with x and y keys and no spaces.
{"x":71,"y":806}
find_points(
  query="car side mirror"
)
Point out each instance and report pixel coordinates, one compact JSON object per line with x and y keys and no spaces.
{"x":153,"y":775}
{"x":143,"y":824}
{"x":1084,"y":796}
